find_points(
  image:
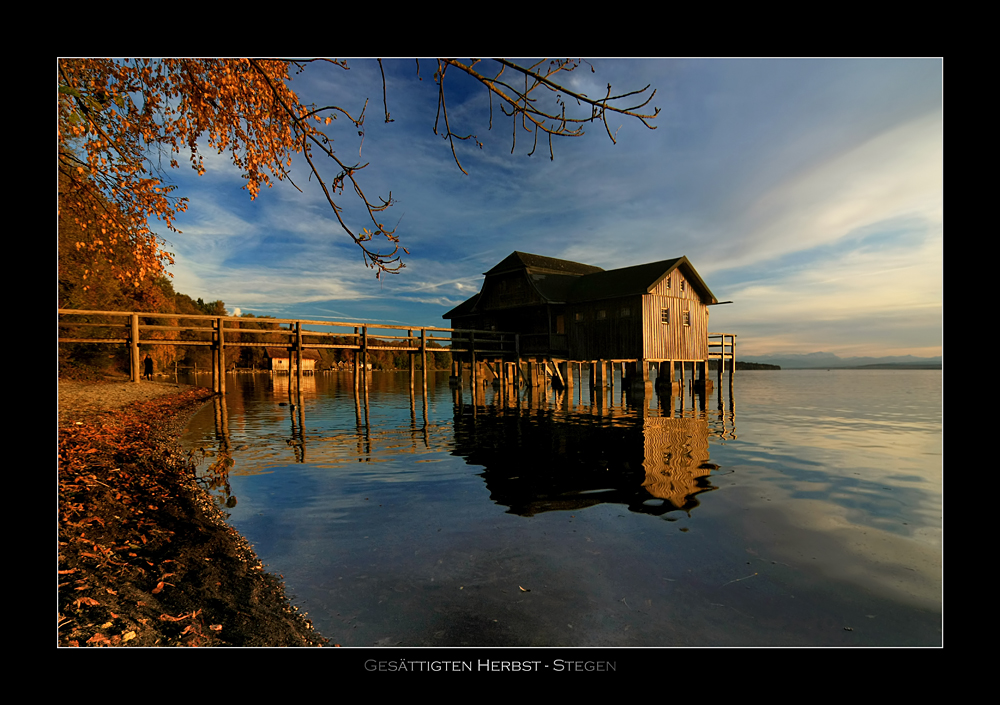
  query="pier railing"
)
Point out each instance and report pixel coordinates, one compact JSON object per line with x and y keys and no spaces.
{"x":722,"y":347}
{"x":133,"y":329}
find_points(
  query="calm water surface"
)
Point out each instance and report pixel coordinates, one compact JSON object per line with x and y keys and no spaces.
{"x":800,"y":508}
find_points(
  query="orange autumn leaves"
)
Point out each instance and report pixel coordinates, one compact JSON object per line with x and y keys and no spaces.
{"x":122,"y":123}
{"x":119,"y":119}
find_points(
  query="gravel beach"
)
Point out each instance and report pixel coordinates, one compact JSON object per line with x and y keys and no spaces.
{"x":145,"y":558}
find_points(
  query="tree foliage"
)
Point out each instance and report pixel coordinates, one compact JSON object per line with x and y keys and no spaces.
{"x":124,"y":123}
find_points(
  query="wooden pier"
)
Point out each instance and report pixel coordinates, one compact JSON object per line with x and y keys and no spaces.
{"x":133,"y":329}
{"x":487,"y":357}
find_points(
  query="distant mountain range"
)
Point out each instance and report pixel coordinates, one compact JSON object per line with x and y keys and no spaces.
{"x":824,"y":360}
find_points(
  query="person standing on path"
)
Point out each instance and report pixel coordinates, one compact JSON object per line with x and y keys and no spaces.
{"x":148,"y":368}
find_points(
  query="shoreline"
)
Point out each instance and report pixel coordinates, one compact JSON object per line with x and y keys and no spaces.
{"x":145,"y":558}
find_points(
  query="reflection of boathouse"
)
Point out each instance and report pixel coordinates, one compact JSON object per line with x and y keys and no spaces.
{"x":566,"y":311}
{"x":537,"y":460}
{"x":675,"y":457}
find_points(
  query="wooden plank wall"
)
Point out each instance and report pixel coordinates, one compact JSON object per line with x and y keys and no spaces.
{"x":674,"y":341}
{"x":614,"y":336}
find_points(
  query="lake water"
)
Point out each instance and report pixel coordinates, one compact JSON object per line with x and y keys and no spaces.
{"x":798,"y":507}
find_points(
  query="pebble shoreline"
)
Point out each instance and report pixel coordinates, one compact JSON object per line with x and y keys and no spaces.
{"x":80,"y":400}
{"x":247,"y":599}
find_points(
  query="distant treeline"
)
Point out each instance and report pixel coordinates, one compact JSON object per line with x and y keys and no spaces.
{"x":83,"y":285}
{"x":92,"y":278}
{"x":740,"y":365}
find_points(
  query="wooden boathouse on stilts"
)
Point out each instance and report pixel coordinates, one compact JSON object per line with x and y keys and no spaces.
{"x":565,"y":315}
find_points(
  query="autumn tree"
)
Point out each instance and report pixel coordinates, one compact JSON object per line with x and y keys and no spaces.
{"x":123,"y":124}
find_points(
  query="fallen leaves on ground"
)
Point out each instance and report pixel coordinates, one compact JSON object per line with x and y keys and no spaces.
{"x":130,"y":517}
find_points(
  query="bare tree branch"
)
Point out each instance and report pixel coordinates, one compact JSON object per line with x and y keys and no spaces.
{"x":100,"y":109}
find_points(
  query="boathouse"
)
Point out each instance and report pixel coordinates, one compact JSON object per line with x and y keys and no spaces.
{"x":282,"y":361}
{"x":568,"y":311}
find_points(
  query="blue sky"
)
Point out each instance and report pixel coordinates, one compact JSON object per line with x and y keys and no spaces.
{"x":809,"y":192}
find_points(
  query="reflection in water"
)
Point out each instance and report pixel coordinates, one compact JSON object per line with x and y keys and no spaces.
{"x":269,"y":440}
{"x":398,"y":521}
{"x":538,"y":460}
{"x":541,"y":449}
{"x":545,"y":450}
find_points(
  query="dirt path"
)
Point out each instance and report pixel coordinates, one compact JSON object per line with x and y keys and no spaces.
{"x":145,"y":559}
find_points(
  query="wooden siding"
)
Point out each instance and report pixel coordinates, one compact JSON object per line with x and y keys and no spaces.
{"x":674,"y":340}
{"x":676,"y":285}
{"x":613,"y":336}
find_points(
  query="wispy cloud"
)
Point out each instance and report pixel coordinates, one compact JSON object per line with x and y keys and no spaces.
{"x":809,"y":192}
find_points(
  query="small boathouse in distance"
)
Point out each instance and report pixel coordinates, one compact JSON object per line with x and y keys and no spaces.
{"x":566,"y":313}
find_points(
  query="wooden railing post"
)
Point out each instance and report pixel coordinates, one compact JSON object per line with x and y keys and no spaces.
{"x":412,"y":357}
{"x":423,"y":357}
{"x":135,"y":346}
{"x":215,"y":356}
{"x":298,"y":360}
{"x":364,"y":358}
{"x":222,"y":355}
{"x":722,"y":360}
{"x":357,"y":358}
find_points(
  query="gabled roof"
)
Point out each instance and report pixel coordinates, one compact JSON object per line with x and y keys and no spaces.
{"x":555,"y":288}
{"x":562,"y":281}
{"x":636,"y":280}
{"x":523,"y":260}
{"x":464,"y":308}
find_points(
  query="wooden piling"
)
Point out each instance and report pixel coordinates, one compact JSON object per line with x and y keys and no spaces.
{"x":566,"y":375}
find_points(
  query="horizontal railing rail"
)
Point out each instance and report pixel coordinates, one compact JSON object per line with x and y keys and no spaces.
{"x":219,"y":332}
